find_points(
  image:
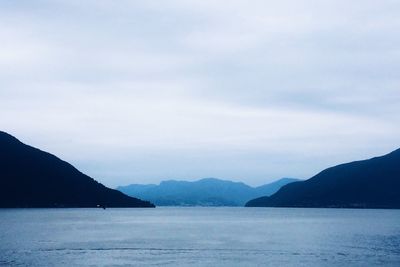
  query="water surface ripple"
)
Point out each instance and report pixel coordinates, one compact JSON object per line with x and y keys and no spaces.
{"x":199,"y":237}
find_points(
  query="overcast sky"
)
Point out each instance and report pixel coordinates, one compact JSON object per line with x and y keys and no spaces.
{"x":143,"y":91}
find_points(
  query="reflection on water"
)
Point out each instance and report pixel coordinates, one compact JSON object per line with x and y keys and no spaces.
{"x":200,"y":237}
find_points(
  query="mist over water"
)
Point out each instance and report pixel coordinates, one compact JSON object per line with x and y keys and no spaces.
{"x":200,"y":237}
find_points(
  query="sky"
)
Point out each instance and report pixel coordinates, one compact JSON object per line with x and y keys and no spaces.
{"x":252,"y":91}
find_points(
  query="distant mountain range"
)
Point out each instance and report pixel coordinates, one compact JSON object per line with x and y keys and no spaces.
{"x":30,"y":177}
{"x":204,"y":192}
{"x":373,"y":183}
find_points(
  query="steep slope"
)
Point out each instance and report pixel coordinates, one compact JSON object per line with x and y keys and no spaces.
{"x":30,"y":177}
{"x":373,"y":183}
{"x":272,"y":188}
{"x":204,"y":192}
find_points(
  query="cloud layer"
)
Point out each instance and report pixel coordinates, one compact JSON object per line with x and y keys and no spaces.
{"x":131,"y":91}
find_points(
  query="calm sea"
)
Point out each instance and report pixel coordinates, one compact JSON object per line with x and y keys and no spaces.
{"x":199,"y":237}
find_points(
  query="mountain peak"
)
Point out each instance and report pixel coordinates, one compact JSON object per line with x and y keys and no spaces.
{"x":372,"y":183}
{"x":30,"y":177}
{"x":6,"y":137}
{"x":203,"y":192}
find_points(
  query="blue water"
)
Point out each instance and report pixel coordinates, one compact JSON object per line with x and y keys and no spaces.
{"x":199,"y":237}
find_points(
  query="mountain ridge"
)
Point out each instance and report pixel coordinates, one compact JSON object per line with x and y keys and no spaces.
{"x":203,"y":192}
{"x":30,"y":177}
{"x":370,"y":183}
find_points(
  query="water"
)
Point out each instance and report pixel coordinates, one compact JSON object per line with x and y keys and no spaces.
{"x":199,"y":237}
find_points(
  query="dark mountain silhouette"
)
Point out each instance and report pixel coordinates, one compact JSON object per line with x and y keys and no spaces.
{"x":205,"y":192}
{"x":373,"y":183}
{"x":30,"y":177}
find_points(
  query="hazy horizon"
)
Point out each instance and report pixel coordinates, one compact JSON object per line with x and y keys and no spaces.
{"x":140,"y":92}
